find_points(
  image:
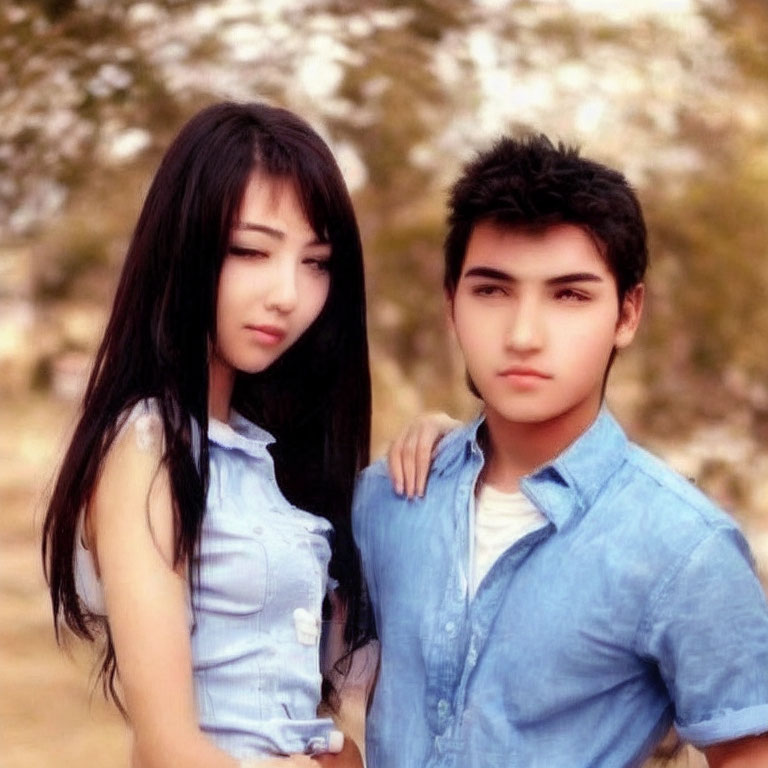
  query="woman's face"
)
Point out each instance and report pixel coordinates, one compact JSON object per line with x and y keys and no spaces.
{"x":274,"y":280}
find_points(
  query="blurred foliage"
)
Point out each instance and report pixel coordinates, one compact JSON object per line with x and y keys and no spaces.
{"x":743,"y":25}
{"x":400,"y":83}
{"x":72,"y":75}
{"x":708,"y":318}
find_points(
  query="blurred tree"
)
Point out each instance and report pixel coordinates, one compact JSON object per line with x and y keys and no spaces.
{"x":397,"y":104}
{"x":405,"y":90}
{"x":705,"y":349}
{"x":76,"y":89}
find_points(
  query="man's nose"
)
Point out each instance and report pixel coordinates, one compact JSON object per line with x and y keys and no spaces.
{"x":525,"y":332}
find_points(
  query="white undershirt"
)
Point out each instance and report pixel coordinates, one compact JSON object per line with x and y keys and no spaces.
{"x":500,"y":520}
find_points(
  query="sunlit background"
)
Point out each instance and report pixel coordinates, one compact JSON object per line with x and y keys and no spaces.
{"x":673,"y":92}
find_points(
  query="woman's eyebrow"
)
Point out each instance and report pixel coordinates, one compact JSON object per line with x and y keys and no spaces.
{"x":277,"y":234}
{"x":253,"y":227}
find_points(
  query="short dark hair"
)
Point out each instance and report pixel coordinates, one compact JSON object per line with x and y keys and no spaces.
{"x":530,"y":183}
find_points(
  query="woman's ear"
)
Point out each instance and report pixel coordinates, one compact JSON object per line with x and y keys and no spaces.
{"x":630,"y":312}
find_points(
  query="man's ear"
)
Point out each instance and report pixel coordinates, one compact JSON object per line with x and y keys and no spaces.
{"x":449,"y":311}
{"x":630,"y":312}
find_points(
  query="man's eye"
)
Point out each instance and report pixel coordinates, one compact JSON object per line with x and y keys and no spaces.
{"x":569,"y":294}
{"x":488,"y":290}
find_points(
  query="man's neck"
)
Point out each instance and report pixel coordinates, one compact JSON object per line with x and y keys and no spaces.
{"x":515,"y":449}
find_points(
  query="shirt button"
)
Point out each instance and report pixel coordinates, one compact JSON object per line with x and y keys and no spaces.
{"x":450,"y":629}
{"x":443,"y":707}
{"x":472,"y":657}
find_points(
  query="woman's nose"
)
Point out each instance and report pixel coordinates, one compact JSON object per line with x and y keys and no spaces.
{"x":283,"y":290}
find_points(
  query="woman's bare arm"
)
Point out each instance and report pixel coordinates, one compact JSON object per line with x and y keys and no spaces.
{"x":130,"y":524}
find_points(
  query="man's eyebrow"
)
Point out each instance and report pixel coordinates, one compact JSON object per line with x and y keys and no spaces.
{"x":575,"y":277}
{"x":272,"y":232}
{"x":490,"y":273}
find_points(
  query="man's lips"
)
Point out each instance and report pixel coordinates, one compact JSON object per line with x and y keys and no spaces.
{"x":517,"y":371}
{"x":267,"y":334}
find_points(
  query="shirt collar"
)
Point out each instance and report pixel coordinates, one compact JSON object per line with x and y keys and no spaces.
{"x":239,"y":434}
{"x":572,"y":481}
{"x":568,"y":484}
{"x":457,"y":446}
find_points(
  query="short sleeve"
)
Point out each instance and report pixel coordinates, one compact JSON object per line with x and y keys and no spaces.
{"x":707,"y":629}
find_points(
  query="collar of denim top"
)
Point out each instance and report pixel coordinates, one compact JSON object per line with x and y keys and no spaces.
{"x":567,"y":485}
{"x":240,"y":434}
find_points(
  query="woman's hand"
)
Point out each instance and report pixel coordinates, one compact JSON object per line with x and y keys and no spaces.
{"x":349,"y":757}
{"x":290,"y":761}
{"x":410,"y":455}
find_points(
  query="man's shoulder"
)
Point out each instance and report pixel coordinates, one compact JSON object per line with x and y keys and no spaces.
{"x":665,"y":491}
{"x":374,"y":485}
{"x":448,"y":456}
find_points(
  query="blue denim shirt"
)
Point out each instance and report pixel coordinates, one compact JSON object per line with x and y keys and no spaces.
{"x":255,"y":628}
{"x":257,"y":608}
{"x":635,"y":607}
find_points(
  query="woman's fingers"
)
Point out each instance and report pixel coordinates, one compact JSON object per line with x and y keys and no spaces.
{"x":349,"y":757}
{"x":410,"y":455}
{"x":425,"y":451}
{"x":290,"y":761}
{"x":395,"y":463}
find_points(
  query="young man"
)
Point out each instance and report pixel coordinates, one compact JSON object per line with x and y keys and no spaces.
{"x":559,"y":597}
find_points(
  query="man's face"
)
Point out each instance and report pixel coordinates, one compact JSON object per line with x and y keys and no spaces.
{"x":537,"y":316}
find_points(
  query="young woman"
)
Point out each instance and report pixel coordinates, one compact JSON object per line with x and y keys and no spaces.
{"x":202,"y":509}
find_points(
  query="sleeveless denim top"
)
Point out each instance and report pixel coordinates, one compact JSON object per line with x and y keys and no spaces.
{"x":263,"y":574}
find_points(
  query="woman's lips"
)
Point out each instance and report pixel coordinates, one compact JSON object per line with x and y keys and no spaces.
{"x":267,"y":334}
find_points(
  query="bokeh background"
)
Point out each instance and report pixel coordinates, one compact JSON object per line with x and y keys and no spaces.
{"x":674,"y":92}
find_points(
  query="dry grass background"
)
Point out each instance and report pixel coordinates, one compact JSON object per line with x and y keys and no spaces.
{"x":49,"y":713}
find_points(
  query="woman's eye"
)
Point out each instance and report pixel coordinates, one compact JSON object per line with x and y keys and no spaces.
{"x":319,"y":263}
{"x":252,"y":253}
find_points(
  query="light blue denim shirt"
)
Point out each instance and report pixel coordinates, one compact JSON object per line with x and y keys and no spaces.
{"x":257,"y":609}
{"x":255,"y":628}
{"x":635,"y":607}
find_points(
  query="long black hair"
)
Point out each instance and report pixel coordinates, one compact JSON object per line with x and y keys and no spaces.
{"x":315,"y":399}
